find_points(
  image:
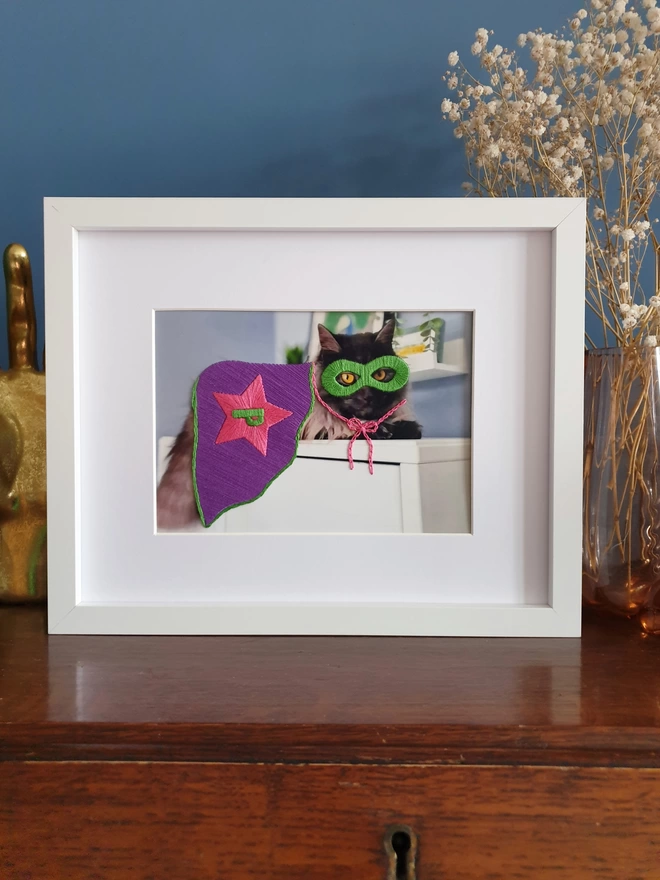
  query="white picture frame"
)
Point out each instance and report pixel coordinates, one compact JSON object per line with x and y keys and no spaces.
{"x":88,"y":354}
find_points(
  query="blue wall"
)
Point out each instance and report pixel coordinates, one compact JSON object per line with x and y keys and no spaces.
{"x":242,"y":98}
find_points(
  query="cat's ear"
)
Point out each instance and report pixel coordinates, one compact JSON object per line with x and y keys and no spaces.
{"x":386,"y":334}
{"x":327,"y":340}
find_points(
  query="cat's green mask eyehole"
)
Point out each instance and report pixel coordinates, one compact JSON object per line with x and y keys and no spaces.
{"x":343,"y":378}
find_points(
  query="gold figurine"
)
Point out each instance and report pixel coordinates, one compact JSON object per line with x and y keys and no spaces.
{"x":22,"y":443}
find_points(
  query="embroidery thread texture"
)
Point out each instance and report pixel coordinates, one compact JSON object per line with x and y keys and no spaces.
{"x":232,"y":473}
{"x":360,"y":428}
{"x":364,"y":374}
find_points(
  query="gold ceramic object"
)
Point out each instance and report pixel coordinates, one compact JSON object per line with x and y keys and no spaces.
{"x":22,"y":444}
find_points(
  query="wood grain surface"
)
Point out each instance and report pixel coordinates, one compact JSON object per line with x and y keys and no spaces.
{"x":182,"y":821}
{"x":594,"y":701}
{"x":126,"y":758}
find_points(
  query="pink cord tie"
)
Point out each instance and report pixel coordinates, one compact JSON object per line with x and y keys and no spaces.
{"x":356,"y":425}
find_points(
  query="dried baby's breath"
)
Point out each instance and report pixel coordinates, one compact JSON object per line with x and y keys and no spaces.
{"x":584,"y":121}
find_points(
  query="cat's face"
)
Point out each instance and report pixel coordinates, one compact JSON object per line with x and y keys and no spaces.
{"x":367,"y":402}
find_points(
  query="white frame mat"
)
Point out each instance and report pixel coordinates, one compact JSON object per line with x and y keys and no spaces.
{"x":89,"y":546}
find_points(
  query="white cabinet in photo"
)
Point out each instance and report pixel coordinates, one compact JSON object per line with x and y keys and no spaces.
{"x":417,"y":486}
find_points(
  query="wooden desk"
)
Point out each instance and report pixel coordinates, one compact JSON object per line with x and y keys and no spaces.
{"x":199,"y":758}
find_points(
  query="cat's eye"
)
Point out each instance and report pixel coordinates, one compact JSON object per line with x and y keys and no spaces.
{"x":383,"y":375}
{"x":347,"y":378}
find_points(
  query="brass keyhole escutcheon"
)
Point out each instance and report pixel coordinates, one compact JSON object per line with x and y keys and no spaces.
{"x":400,"y":843}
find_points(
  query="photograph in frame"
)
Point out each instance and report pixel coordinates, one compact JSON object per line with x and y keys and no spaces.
{"x":425,"y":422}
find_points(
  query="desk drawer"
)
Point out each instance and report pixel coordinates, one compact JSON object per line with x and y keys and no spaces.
{"x":130,"y":821}
{"x":417,"y":486}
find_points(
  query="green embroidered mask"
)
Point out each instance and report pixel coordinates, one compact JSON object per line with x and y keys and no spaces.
{"x":343,"y":378}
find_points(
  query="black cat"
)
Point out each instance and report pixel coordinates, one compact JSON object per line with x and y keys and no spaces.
{"x":367,"y":404}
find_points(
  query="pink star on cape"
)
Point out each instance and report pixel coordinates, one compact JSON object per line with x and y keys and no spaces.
{"x":254,"y":429}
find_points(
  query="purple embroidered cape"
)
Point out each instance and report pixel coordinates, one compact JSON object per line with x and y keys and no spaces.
{"x":248,"y":420}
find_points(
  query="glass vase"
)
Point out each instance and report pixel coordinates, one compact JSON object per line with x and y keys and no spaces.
{"x":621,"y":527}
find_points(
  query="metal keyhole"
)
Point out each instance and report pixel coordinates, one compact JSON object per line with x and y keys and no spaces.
{"x":401,"y":848}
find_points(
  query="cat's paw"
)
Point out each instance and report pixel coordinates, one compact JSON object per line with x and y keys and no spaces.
{"x":384,"y":432}
{"x":406,"y":430}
